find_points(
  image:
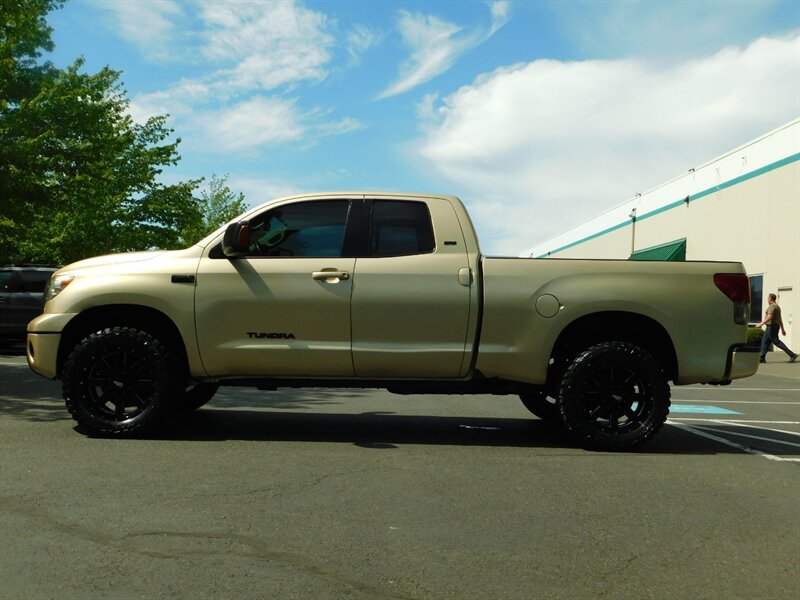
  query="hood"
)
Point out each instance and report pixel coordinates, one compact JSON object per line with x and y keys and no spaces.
{"x":113,"y":259}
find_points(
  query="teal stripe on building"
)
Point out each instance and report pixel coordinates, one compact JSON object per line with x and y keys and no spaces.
{"x":683,"y":201}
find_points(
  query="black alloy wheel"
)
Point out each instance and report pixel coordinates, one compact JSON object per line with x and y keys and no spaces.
{"x":614,"y":396}
{"x":117,"y":381}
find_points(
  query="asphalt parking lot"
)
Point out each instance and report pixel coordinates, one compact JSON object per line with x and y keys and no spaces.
{"x":361,"y":494}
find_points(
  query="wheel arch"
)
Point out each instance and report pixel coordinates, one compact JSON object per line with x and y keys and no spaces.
{"x":144,"y":318}
{"x":643,"y":331}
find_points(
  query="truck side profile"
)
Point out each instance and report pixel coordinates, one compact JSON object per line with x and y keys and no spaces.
{"x":387,"y":291}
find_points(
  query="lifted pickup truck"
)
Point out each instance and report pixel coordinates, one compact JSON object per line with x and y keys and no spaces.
{"x":387,"y":291}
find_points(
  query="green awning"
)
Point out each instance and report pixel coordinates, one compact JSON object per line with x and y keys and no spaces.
{"x":671,"y":251}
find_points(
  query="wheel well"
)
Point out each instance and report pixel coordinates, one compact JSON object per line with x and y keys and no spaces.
{"x":143,"y":318}
{"x":616,"y":326}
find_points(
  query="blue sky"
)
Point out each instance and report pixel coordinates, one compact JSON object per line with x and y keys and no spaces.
{"x":539,"y":115}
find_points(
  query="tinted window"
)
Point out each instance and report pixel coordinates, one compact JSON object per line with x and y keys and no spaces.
{"x":400,"y":228}
{"x":304,"y":229}
{"x":33,"y":281}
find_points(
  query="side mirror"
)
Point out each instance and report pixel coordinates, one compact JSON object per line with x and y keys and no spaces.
{"x":236,"y":242}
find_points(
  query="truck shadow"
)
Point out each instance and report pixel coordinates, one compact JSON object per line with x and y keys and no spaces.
{"x":386,"y":431}
{"x":375,"y":430}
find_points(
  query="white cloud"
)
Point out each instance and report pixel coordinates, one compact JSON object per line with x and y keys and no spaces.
{"x":176,"y":101}
{"x":270,"y":43}
{"x":435,"y":46}
{"x":538,"y":147}
{"x":238,"y":29}
{"x":361,"y":38}
{"x":252,"y":123}
{"x":251,"y":45}
{"x":148,"y":24}
{"x":266,"y":121}
{"x":249,"y":48}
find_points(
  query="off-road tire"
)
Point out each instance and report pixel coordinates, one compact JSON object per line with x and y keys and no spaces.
{"x":614,"y":396}
{"x":195,"y":396}
{"x":118,"y":382}
{"x":538,"y":403}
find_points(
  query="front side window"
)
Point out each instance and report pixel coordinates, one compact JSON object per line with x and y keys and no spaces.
{"x":304,"y":229}
{"x":400,"y":228}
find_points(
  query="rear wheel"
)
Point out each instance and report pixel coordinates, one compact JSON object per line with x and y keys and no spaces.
{"x":117,"y":381}
{"x":614,"y":396}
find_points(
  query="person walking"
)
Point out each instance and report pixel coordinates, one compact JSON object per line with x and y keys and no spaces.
{"x":774,"y":323}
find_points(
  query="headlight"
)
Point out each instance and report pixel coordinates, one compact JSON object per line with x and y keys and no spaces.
{"x":57,"y":284}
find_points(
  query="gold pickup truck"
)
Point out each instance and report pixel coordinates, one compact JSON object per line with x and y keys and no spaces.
{"x":387,"y":291}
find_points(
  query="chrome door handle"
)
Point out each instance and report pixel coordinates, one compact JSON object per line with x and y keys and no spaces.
{"x":330,"y":275}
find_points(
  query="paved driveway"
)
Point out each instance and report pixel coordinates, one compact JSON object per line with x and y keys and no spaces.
{"x":340,"y":494}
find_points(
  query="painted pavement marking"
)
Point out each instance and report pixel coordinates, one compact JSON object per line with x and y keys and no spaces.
{"x":727,"y":442}
{"x":728,"y":389}
{"x":736,"y":401}
{"x":733,"y":421}
{"x":701,"y":409}
{"x":747,"y":435}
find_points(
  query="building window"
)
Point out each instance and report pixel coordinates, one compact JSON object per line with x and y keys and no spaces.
{"x":756,"y":297}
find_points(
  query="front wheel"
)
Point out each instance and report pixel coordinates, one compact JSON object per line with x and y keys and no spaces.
{"x":614,"y":396}
{"x":117,"y":381}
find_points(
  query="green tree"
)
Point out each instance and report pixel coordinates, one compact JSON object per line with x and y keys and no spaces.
{"x":78,"y":177}
{"x":218,"y":205}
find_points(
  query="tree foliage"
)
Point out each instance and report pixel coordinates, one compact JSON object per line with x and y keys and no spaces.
{"x":218,"y":205}
{"x":78,"y":176}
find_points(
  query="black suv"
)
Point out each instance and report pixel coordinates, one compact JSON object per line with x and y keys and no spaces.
{"x":21,"y":297}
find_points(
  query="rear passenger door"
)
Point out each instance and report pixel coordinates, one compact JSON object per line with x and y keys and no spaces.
{"x":410,"y":308}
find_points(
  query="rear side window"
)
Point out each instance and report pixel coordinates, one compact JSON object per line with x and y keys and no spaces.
{"x":400,"y":228}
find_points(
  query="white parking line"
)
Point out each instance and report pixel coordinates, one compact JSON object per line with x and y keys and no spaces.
{"x":763,"y":428}
{"x":729,"y":389}
{"x":733,"y":421}
{"x":10,"y":364}
{"x":730,"y":443}
{"x":735,"y":401}
{"x":747,"y":435}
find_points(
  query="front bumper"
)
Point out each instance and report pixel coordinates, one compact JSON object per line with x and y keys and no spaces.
{"x":42,"y":350}
{"x":44,"y":336}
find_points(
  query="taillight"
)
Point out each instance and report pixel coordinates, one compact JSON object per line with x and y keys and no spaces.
{"x":736,"y":286}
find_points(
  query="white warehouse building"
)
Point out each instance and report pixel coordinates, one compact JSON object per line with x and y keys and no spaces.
{"x":742,"y":206}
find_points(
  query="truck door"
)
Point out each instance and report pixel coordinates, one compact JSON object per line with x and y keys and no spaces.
{"x":411,"y":294}
{"x":283,"y":310}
